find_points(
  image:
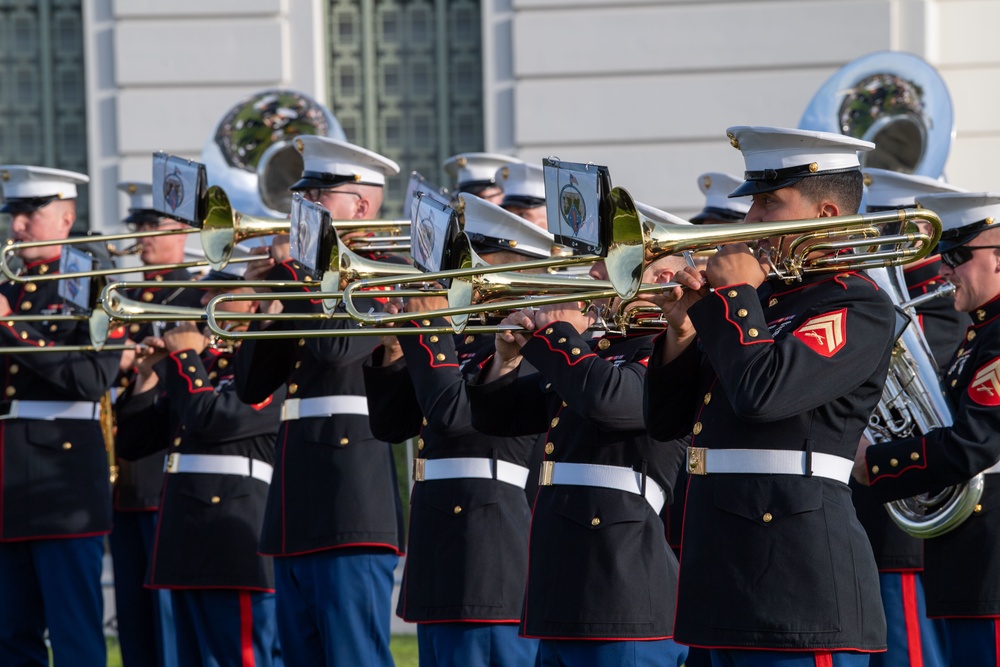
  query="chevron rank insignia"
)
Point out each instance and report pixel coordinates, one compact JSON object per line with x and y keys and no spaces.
{"x":985,"y":386}
{"x":824,"y":334}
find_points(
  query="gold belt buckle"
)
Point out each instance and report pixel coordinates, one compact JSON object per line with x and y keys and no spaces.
{"x":545,"y":476}
{"x":173,"y":462}
{"x":696,"y":460}
{"x":418,"y":469}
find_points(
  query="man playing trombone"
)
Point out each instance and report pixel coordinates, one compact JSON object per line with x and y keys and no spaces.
{"x":602,"y":578}
{"x":55,"y":507}
{"x":468,"y":511}
{"x":775,"y":382}
{"x":334,"y":519}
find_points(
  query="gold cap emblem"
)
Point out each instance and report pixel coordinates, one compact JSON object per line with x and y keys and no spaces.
{"x":990,"y":221}
{"x":733,"y":140}
{"x":706,"y":182}
{"x":132,"y":188}
{"x":505,"y":173}
{"x":813,"y":167}
{"x":868,"y":179}
{"x":299,"y":146}
{"x":5,"y":175}
{"x":461,"y":161}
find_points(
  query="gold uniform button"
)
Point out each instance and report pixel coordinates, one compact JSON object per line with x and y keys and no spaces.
{"x":298,"y":364}
{"x":424,"y":421}
{"x":177,"y":441}
{"x":292,"y":388}
{"x":561,"y":340}
{"x":894,"y":462}
{"x":548,"y":385}
{"x":767,"y":517}
{"x":433,"y":339}
{"x":24,"y":335}
{"x":31,"y":287}
{"x":25,"y":305}
{"x":198,"y":382}
{"x":216,"y":500}
{"x":420,"y":443}
{"x":44,"y":268}
{"x":772,"y":303}
{"x":575,"y":351}
{"x":970,"y":335}
{"x":742,"y":312}
{"x":554,"y":422}
{"x":213,"y":375}
{"x":158,"y":279}
{"x":707,"y":399}
{"x":549,"y":448}
{"x":302,"y":342}
{"x":191,"y":369}
{"x":67,"y":445}
{"x":604,"y":344}
{"x":440,"y":356}
{"x":14,"y":368}
{"x":345,"y":441}
{"x":458,"y":509}
{"x":954,"y":382}
{"x":548,"y":331}
{"x":977,"y":509}
{"x":565,"y":404}
{"x":124,"y":382}
{"x":980,"y":314}
{"x":874,"y":470}
{"x":469,"y":339}
{"x":733,"y":293}
{"x":53,"y":327}
{"x":223,"y":363}
{"x":752,"y":332}
{"x":10,"y":391}
{"x":147,"y":296}
{"x":183,"y":355}
{"x":596,"y":521}
{"x":914,"y":456}
{"x":697,"y":428}
{"x":134,"y":328}
{"x":426,"y":323}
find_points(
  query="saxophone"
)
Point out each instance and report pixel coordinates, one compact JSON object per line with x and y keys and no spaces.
{"x":912,"y":403}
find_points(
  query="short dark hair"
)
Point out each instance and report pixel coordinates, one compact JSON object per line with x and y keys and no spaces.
{"x":844,"y":188}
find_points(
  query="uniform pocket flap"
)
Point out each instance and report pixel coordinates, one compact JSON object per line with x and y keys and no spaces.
{"x":597,"y":508}
{"x":458,"y":497}
{"x":768,"y":499}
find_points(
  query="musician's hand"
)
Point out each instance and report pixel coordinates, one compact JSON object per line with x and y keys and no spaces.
{"x":281,"y":248}
{"x":571,"y":312}
{"x":860,"y":472}
{"x":508,"y":344}
{"x":147,"y":355}
{"x":392,"y":350}
{"x":425,"y":304}
{"x":259,"y":268}
{"x":185,"y":336}
{"x":128,"y":357}
{"x":734,"y":264}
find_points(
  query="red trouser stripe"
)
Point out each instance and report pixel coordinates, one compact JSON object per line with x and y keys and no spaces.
{"x":996,"y":641}
{"x":824,"y":659}
{"x":246,"y":628}
{"x":911,"y":617}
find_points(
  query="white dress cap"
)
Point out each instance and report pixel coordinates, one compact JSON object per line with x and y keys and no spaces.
{"x":885,"y":189}
{"x":491,"y":228}
{"x":523,"y":184}
{"x":963,"y":215}
{"x":327,"y":163}
{"x":27,"y":188}
{"x":716,"y":187}
{"x":474,"y":171}
{"x":777,"y":157}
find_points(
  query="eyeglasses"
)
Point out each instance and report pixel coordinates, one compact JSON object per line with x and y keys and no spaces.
{"x":961,"y":254}
{"x":314,"y":194}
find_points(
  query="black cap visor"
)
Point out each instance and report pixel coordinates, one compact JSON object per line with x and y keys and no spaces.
{"x":714,"y":213}
{"x":323,"y":181}
{"x":26,"y":204}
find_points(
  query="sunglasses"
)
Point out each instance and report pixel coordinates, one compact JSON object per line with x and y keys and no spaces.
{"x":961,"y":254}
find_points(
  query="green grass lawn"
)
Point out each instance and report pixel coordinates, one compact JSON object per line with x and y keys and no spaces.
{"x":404,"y":651}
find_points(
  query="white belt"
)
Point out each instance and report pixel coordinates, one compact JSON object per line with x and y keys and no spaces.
{"x":704,"y":461}
{"x":607,"y":477}
{"x":49,"y":410}
{"x":323,"y":406}
{"x":425,"y":470}
{"x":219,"y":464}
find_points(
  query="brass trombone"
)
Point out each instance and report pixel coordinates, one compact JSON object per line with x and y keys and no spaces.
{"x":638,"y":238}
